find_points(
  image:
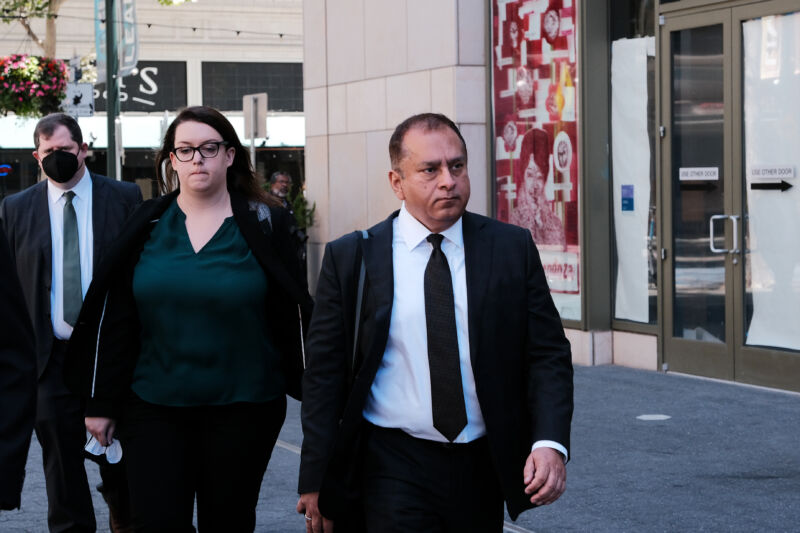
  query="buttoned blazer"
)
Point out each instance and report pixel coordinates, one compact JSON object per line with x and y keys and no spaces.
{"x":25,"y":217}
{"x":520,"y":357}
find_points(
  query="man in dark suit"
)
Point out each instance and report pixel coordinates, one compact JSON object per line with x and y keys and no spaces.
{"x":58,"y":231}
{"x":459,"y":394}
{"x":17,"y":382}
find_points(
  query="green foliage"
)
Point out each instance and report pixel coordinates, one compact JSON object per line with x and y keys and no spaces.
{"x":174,"y":2}
{"x":23,"y":9}
{"x":302,"y":212}
{"x":31,"y":86}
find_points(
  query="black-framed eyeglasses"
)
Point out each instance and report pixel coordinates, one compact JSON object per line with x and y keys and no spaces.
{"x":209,"y":149}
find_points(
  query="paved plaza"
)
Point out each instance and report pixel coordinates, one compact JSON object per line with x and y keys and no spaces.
{"x":723,"y":457}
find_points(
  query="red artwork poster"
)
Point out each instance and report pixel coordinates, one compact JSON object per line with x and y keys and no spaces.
{"x":534,"y":60}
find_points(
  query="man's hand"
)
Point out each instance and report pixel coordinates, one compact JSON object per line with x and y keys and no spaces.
{"x":308,"y":506}
{"x":101,"y":429}
{"x":545,"y":476}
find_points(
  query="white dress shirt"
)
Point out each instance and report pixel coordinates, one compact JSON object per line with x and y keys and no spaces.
{"x":400,"y":395}
{"x":82,"y":202}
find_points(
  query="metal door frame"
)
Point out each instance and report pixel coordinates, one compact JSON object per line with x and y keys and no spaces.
{"x":684,"y":355}
{"x":772,"y":367}
{"x":733,"y":360}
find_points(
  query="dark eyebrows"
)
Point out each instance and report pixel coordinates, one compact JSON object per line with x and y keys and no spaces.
{"x":450,"y":162}
{"x":208,"y":141}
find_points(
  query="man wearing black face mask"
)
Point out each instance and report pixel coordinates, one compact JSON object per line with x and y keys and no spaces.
{"x":58,"y":231}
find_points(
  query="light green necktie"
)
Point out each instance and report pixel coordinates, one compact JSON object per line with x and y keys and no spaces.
{"x":73,"y":296}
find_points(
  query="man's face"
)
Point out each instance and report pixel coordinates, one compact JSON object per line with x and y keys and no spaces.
{"x":510,"y":133}
{"x":432,"y":178}
{"x":551,"y":25}
{"x":281,"y":186}
{"x":562,"y":151}
{"x":61,"y":140}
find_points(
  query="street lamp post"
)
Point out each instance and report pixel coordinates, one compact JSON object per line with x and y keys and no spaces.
{"x":112,"y":90}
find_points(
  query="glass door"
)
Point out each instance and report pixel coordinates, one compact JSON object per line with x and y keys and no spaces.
{"x":766,"y":42}
{"x":700,"y":229}
{"x":730,"y":157}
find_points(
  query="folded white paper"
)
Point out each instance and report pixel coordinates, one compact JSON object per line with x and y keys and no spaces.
{"x":113,"y":452}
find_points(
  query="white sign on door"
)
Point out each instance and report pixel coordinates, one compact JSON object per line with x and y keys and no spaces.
{"x":698,"y":174}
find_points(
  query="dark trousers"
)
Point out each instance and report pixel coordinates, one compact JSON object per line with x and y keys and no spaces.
{"x":423,"y":486}
{"x":217,"y":453}
{"x":62,"y":434}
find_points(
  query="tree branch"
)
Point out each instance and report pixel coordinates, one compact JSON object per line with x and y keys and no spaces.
{"x":31,"y":33}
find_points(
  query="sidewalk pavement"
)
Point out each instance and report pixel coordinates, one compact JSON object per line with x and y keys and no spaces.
{"x":726,"y":460}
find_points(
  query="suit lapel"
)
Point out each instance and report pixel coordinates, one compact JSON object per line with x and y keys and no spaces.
{"x":42,"y":224}
{"x":379,"y":291}
{"x":99,"y":206}
{"x":478,"y":255}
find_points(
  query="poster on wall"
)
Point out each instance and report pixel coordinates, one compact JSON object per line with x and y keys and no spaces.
{"x":534,"y":103}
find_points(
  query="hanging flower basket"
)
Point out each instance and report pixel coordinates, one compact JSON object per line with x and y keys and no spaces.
{"x":31,"y":86}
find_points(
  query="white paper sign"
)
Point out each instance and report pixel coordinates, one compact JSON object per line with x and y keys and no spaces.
{"x":771,"y":172}
{"x":698,"y":174}
{"x":79,"y":100}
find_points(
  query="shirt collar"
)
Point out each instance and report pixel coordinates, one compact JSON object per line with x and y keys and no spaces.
{"x":82,"y":189}
{"x":413,"y":232}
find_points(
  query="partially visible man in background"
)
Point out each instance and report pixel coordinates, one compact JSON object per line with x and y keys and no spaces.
{"x":280,"y":184}
{"x":17,"y":382}
{"x":58,"y":231}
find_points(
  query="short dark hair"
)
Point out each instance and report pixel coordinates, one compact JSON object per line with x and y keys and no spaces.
{"x":240,"y":175}
{"x":426,"y":121}
{"x":47,"y":125}
{"x":274,"y":177}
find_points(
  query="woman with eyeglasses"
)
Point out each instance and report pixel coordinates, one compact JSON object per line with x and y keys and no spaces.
{"x":191,"y":334}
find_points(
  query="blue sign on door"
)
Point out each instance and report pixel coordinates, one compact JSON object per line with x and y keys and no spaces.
{"x":627,"y":197}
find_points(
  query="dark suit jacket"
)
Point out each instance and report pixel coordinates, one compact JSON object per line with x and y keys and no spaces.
{"x":104,"y":348}
{"x":25,"y":217}
{"x":17,"y":382}
{"x":520,"y":357}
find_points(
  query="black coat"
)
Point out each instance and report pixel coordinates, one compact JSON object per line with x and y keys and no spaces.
{"x":17,"y":381}
{"x":104,"y":347}
{"x":521,"y":359}
{"x":25,"y":217}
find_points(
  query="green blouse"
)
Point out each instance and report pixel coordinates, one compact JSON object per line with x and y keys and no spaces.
{"x":204,"y":338}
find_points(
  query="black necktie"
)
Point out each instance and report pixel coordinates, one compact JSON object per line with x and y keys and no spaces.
{"x":71,"y":266}
{"x":447,"y":395}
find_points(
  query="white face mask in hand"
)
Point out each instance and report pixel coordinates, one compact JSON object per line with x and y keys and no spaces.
{"x":113,"y":452}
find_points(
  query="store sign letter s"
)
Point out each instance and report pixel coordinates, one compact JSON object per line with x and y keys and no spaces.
{"x":144,"y":74}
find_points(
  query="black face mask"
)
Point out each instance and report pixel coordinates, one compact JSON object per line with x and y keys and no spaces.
{"x":60,"y":166}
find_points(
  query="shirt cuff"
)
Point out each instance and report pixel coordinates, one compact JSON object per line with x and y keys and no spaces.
{"x":551,"y":444}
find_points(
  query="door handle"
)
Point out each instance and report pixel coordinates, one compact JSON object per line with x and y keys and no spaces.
{"x":735,"y":220}
{"x":711,"y":234}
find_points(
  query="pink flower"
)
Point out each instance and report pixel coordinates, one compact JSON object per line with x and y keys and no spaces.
{"x":39,"y":93}
{"x":20,"y":98}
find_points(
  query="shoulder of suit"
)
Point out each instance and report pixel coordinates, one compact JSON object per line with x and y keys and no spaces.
{"x":347,"y":240}
{"x":495,"y":226}
{"x":25,"y":196}
{"x":121,"y":185}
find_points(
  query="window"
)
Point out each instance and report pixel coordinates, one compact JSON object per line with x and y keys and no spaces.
{"x":224,"y":84}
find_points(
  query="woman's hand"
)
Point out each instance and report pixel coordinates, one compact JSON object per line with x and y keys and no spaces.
{"x":101,"y":429}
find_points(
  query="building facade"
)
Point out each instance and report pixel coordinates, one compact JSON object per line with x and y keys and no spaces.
{"x":650,"y":147}
{"x":211,"y":53}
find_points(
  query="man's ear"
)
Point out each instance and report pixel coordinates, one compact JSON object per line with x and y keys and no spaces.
{"x":396,"y":181}
{"x":36,"y":155}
